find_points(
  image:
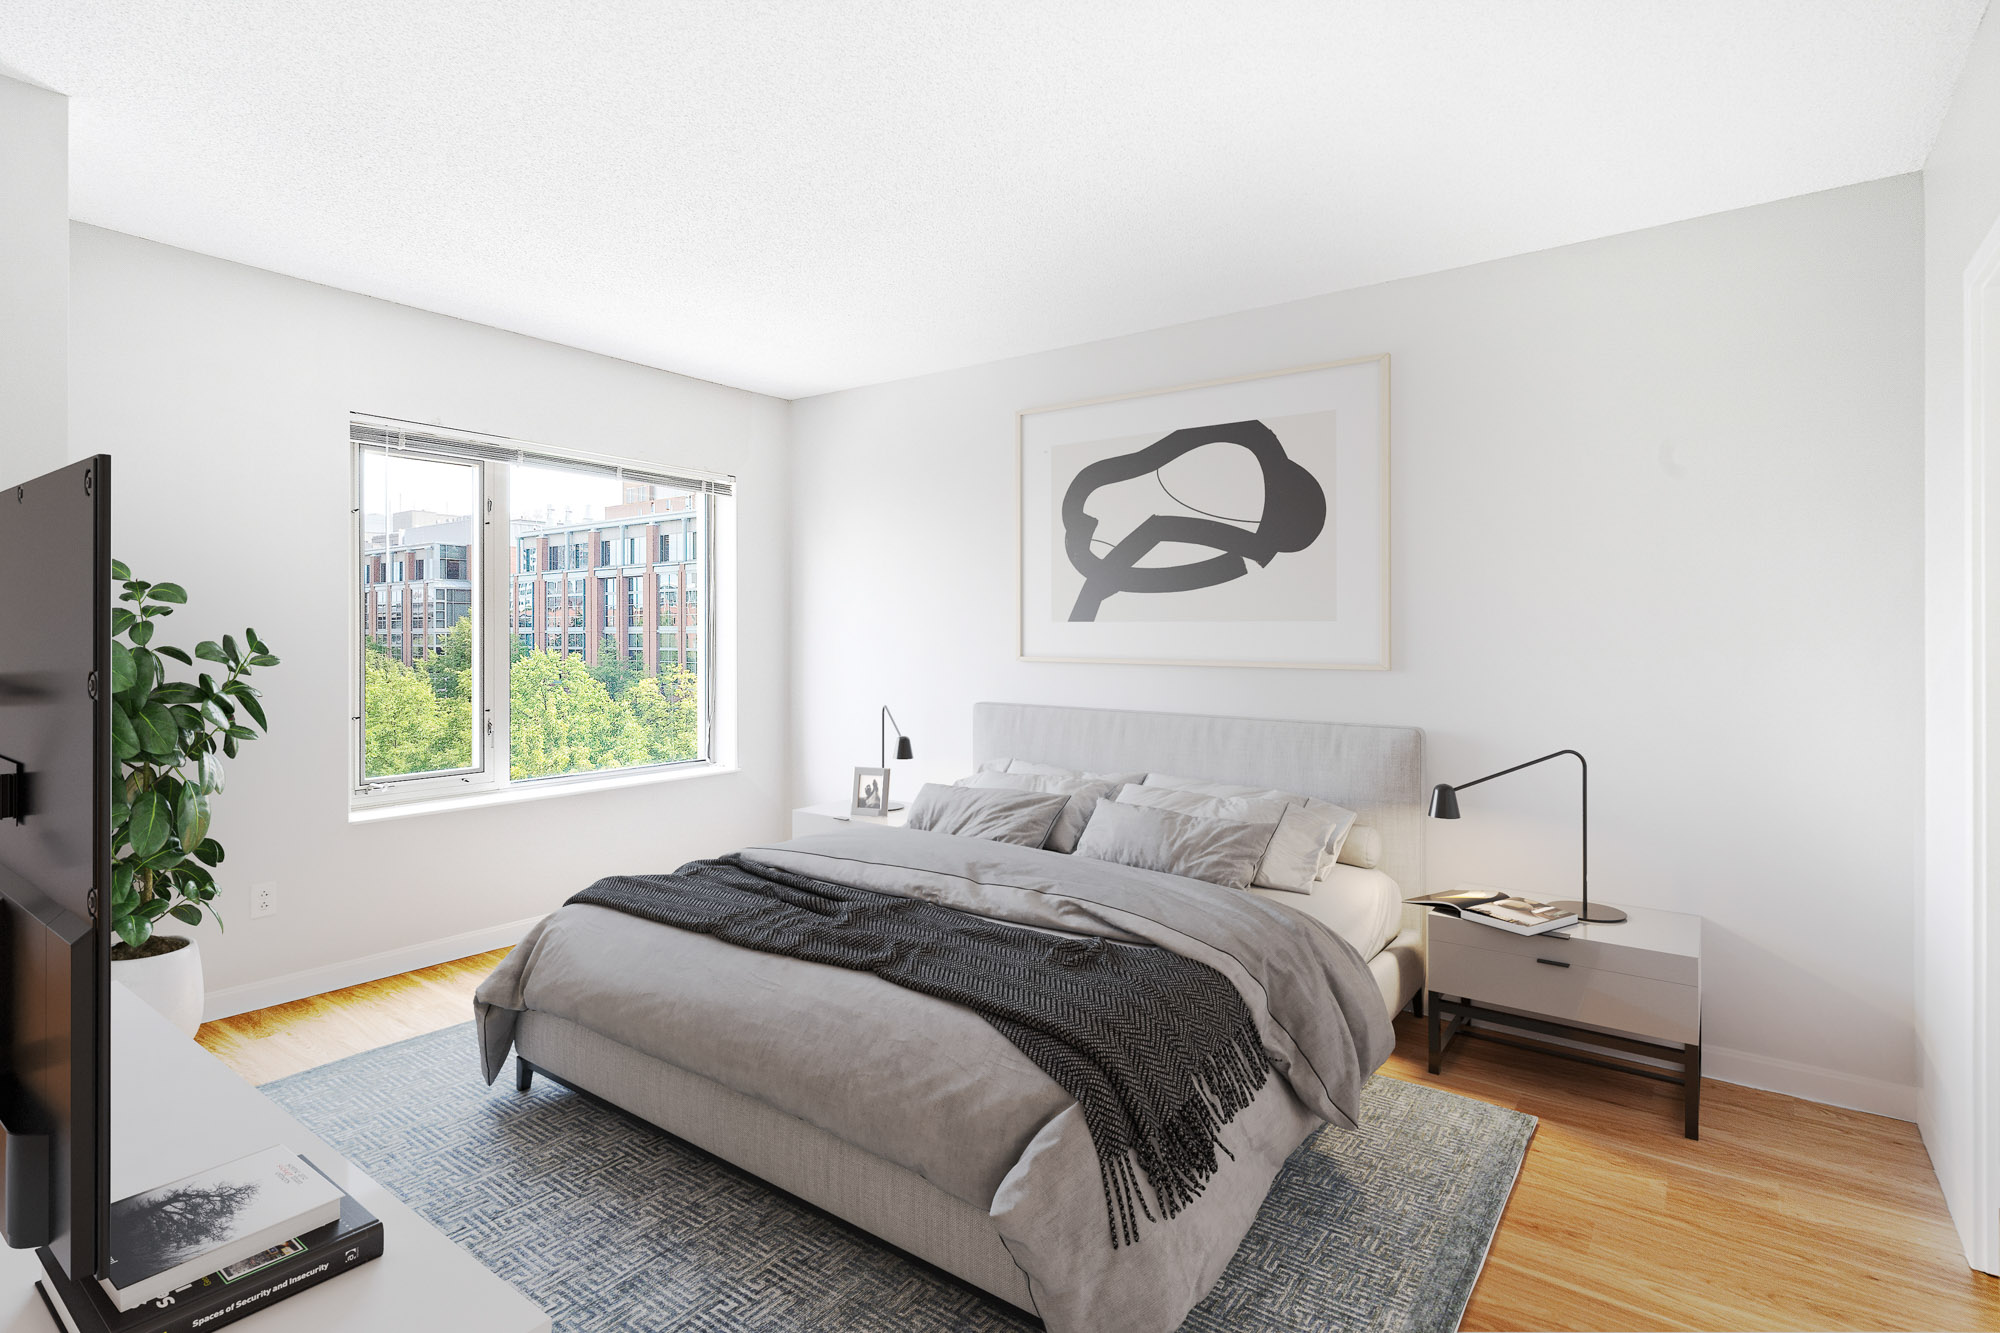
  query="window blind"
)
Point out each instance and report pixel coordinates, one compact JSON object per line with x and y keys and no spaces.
{"x":387,"y":434}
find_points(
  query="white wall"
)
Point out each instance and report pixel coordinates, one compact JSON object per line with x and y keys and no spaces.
{"x":34,"y":279}
{"x":1961,"y":208}
{"x":1656,"y":497}
{"x":222,"y":393}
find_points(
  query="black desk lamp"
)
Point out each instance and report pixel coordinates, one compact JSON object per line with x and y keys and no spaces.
{"x":903,"y":750}
{"x":1444,"y":805}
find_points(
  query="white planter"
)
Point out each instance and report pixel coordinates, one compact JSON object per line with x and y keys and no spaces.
{"x":170,"y":982}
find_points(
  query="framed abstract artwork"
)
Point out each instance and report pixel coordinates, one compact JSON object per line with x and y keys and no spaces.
{"x":1240,"y":522}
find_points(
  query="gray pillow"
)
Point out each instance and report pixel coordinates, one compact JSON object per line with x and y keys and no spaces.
{"x":1213,"y":850}
{"x":998,"y":815}
{"x":1083,"y":794}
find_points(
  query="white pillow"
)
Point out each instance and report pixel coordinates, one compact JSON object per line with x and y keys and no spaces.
{"x":1342,"y":818}
{"x":1363,"y":848}
{"x":1053,"y":771}
{"x":1083,"y":793}
{"x":1213,"y":850}
{"x":1291,"y":860}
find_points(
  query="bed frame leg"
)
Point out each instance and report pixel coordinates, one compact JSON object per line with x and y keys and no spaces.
{"x":524,"y":1074}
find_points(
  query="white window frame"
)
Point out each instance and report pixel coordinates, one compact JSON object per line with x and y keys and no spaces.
{"x":494,"y":549}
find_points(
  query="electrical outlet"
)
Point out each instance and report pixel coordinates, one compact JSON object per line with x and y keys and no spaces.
{"x":263,"y":900}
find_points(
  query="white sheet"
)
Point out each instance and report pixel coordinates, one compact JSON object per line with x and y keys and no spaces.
{"x":1363,"y":907}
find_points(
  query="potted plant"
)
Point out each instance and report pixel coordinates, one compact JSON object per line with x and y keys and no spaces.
{"x":169,"y":738}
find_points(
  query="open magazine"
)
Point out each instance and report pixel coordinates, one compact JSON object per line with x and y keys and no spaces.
{"x":1523,"y":916}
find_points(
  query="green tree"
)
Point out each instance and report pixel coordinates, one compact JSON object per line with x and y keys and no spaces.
{"x":664,"y":711}
{"x":612,"y":671}
{"x":564,"y":720}
{"x":409,"y":728}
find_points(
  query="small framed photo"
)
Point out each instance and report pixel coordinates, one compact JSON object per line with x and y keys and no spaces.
{"x":871,"y":793}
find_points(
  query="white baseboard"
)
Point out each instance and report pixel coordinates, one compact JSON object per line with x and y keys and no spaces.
{"x":1857,"y":1092}
{"x":319,"y":980}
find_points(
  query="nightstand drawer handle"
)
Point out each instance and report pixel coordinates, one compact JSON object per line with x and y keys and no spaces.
{"x":1551,"y":962}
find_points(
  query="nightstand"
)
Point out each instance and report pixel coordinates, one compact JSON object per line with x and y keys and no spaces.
{"x":1602,"y":990}
{"x":832,"y":817}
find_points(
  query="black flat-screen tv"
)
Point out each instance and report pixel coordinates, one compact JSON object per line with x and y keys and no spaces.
{"x":55,"y":865}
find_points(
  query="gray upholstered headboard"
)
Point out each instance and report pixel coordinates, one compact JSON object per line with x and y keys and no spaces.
{"x":1376,"y":771}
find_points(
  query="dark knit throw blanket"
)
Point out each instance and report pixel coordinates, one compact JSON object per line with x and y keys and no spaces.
{"x":1159,"y":1051}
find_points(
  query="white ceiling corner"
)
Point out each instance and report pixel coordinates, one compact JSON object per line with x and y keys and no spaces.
{"x":799,"y":197}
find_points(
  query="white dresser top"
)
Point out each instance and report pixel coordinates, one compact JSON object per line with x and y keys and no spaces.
{"x":1646,"y":928}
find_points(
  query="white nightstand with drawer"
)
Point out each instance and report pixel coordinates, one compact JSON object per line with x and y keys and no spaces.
{"x":832,"y":817}
{"x":1638,"y":980}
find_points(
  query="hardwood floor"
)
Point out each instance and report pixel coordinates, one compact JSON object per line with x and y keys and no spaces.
{"x":1785,"y":1215}
{"x":267,"y":1044}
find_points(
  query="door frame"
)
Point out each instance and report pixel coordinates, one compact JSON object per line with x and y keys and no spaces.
{"x":1980,"y":294}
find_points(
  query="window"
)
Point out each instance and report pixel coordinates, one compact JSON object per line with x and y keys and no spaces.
{"x":434,"y":707}
{"x":487,"y":689}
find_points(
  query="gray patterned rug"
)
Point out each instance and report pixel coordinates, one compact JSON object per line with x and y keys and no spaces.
{"x":611,"y":1225}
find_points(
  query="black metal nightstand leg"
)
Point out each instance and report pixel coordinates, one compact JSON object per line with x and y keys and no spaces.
{"x":1437,"y":1046}
{"x":1692,"y":1089}
{"x":524,"y":1075}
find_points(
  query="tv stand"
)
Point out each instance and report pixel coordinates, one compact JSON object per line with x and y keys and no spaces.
{"x":422,"y":1279}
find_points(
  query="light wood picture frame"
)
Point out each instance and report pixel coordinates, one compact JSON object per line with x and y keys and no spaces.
{"x":1231,"y":522}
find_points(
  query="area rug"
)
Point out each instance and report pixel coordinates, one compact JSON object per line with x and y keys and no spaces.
{"x":609,"y":1224}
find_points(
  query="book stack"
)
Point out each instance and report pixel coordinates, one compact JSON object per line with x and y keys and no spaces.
{"x":206,"y":1251}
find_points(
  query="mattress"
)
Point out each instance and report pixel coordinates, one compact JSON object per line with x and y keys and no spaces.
{"x":1363,"y":907}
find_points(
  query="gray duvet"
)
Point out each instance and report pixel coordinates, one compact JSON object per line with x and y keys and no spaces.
{"x":931,"y":1087}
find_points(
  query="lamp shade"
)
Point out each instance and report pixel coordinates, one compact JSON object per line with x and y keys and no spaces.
{"x":1444,"y":801}
{"x":903,"y":750}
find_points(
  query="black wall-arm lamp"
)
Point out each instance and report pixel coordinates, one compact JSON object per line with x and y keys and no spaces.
{"x":1444,"y":805}
{"x":903,"y":750}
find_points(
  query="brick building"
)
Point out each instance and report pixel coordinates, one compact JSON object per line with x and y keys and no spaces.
{"x":632,"y":577}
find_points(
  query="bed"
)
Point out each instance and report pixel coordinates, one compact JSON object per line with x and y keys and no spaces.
{"x":914,"y":1120}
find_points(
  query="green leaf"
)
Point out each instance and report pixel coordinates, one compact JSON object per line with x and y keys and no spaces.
{"x":179,"y":692}
{"x":135,"y":589}
{"x":187,"y":719}
{"x":158,"y":734}
{"x":134,"y":929}
{"x":208,"y":650}
{"x":263,"y":660}
{"x":178,"y":654}
{"x":153,"y":910}
{"x":142,"y":632}
{"x":121,"y":620}
{"x":209,"y":853}
{"x":169,"y":592}
{"x":124,"y":736}
{"x":241,"y":733}
{"x":146,"y":672}
{"x":195,"y":876}
{"x":254,"y":709}
{"x":187,"y":912}
{"x":121,"y":882}
{"x":152,"y":824}
{"x":120,"y":570}
{"x":256,"y":644}
{"x":208,"y":772}
{"x":229,"y":746}
{"x":229,"y":646}
{"x":124,"y":671}
{"x":191,"y":815}
{"x":166,"y":858}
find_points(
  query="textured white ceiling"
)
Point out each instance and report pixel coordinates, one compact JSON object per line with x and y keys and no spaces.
{"x":797,"y":197}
